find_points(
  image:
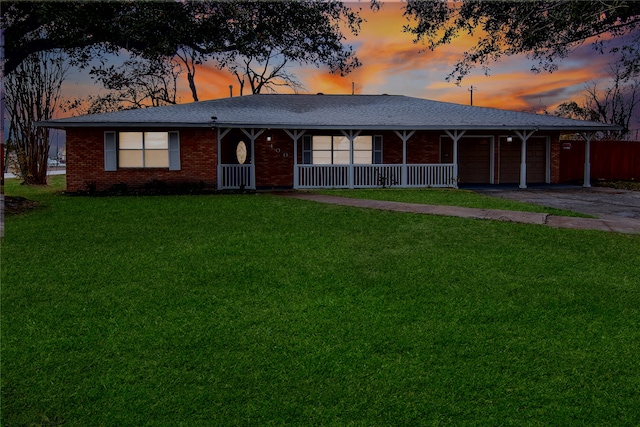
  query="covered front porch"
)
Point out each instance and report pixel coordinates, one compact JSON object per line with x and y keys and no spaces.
{"x":357,"y":159}
{"x":330,"y":158}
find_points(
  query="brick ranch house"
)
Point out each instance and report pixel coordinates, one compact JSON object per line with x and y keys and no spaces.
{"x":315,"y":141}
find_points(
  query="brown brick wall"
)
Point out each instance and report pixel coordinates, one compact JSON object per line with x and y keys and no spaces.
{"x":423,"y":147}
{"x":274,"y":160}
{"x":85,"y":162}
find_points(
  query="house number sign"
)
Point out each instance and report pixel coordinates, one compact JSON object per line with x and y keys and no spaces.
{"x":277,"y":150}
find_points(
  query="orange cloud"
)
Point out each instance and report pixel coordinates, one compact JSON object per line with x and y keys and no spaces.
{"x":211,"y":83}
{"x":524,"y":91}
{"x":393,"y":64}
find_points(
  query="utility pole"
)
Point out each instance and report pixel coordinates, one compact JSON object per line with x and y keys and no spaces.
{"x":471,"y":91}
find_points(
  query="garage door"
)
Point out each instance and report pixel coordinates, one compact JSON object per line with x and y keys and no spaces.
{"x":474,"y":161}
{"x":537,"y":160}
{"x":510,"y":160}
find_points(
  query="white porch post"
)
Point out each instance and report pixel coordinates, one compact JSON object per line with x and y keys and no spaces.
{"x":455,"y":161}
{"x":351,"y":135}
{"x":524,"y":136}
{"x":295,"y":160}
{"x":404,"y":179}
{"x":523,"y":164}
{"x":587,"y":158}
{"x":404,"y":136}
{"x":351,"y":160}
{"x":548,"y":161}
{"x":252,"y":135}
{"x":295,"y":136}
{"x":220,"y":135}
{"x":218,"y":161}
{"x":455,"y":136}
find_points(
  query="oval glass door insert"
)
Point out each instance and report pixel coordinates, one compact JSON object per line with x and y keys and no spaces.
{"x":241,"y":152}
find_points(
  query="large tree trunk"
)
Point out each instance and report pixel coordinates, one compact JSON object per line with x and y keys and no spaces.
{"x":192,"y":86}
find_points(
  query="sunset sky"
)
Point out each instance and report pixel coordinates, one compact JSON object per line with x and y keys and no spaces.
{"x":393,"y":64}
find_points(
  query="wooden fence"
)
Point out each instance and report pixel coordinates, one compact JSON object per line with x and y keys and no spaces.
{"x":610,"y":160}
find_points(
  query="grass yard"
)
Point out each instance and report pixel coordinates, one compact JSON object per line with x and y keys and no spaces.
{"x":259,"y":310}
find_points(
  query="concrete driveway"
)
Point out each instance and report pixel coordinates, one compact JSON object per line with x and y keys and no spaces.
{"x":600,"y":202}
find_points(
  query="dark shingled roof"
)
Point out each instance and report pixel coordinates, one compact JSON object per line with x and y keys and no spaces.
{"x":392,"y":112}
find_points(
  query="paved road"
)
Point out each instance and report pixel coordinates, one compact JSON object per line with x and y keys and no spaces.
{"x":601,"y":202}
{"x":50,"y":171}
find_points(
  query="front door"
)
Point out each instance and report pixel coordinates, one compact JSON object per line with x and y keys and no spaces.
{"x":236,"y":162}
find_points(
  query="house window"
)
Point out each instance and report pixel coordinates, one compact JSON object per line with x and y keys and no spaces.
{"x":143,"y":150}
{"x":335,"y":150}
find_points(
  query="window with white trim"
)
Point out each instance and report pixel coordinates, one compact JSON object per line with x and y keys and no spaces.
{"x":335,"y":150}
{"x":141,"y":150}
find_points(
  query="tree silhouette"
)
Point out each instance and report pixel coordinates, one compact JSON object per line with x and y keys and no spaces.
{"x":546,"y":31}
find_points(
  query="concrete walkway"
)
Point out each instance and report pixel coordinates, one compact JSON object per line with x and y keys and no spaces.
{"x":619,"y":225}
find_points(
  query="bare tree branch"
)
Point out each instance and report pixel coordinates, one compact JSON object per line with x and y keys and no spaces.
{"x":615,"y":105}
{"x":32,"y":95}
{"x":545,"y":31}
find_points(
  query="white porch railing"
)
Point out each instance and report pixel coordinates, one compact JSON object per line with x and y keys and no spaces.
{"x":371,"y":176}
{"x":367,"y":176}
{"x":323,"y":176}
{"x":233,"y":177}
{"x":431,"y":175}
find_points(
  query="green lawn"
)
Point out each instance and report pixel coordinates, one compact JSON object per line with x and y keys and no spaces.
{"x":261,"y":310}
